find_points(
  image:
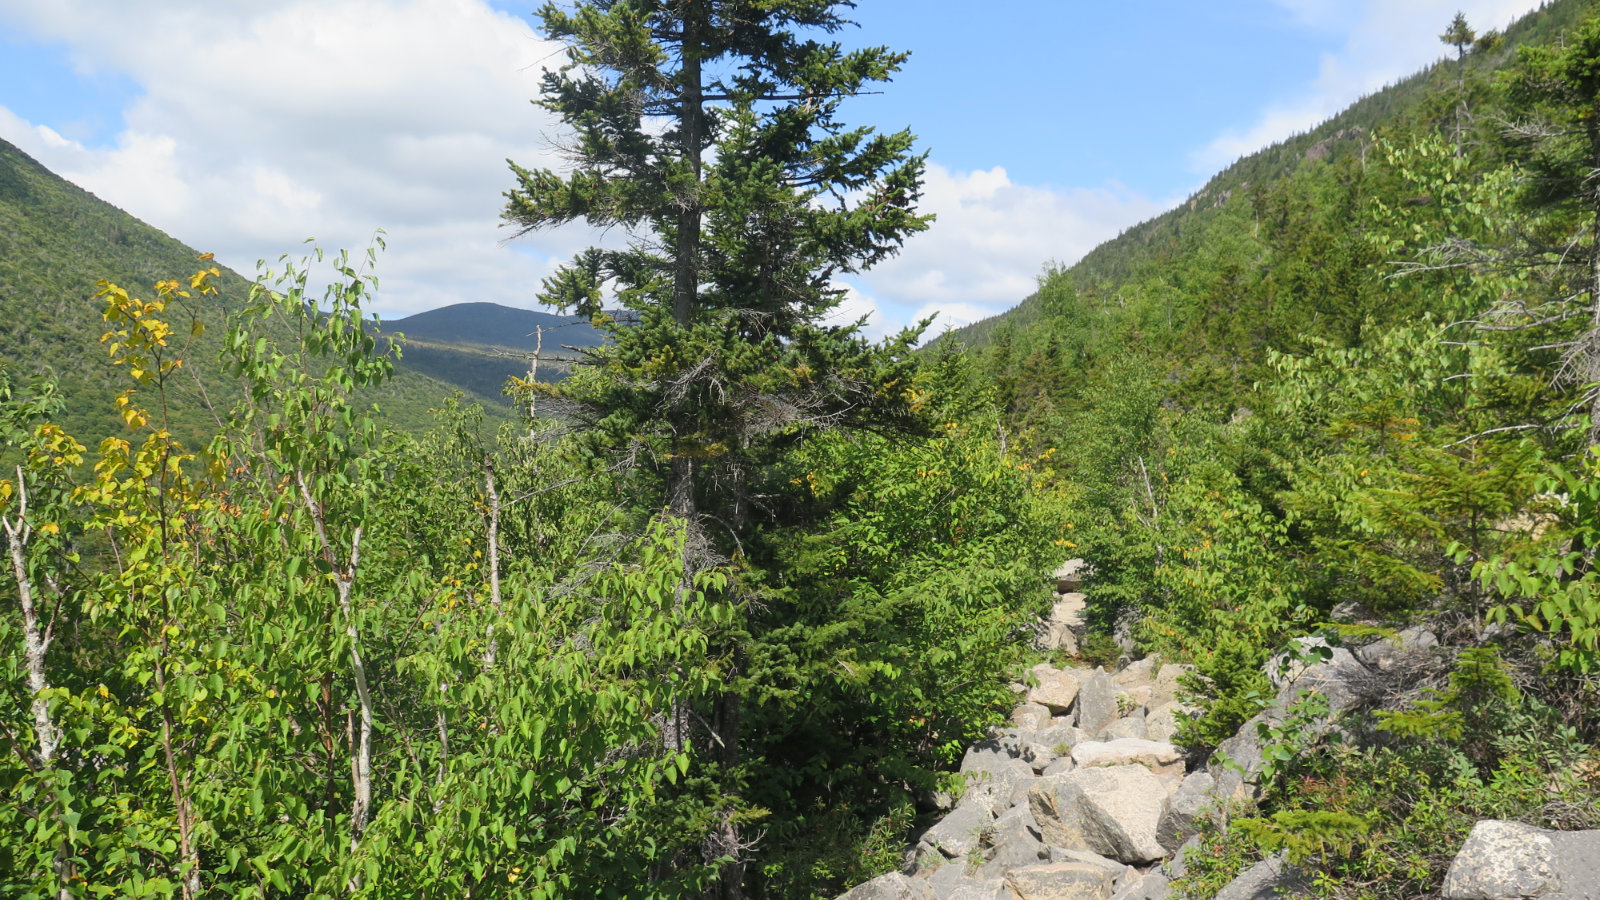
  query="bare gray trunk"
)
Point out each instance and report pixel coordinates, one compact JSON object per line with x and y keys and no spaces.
{"x":35,"y":644}
{"x":1591,"y":347}
{"x":344,"y":575}
{"x":490,"y":653}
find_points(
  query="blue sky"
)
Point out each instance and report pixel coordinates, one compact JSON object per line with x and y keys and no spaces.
{"x":242,"y":127}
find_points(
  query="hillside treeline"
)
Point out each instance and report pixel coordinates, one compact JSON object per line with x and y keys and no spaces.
{"x":1351,"y":389}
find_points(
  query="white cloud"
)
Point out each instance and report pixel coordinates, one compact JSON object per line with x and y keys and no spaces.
{"x":1383,"y":41}
{"x":259,"y":125}
{"x":991,"y":241}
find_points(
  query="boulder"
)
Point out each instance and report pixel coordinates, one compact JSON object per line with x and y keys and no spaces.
{"x":978,"y":889}
{"x":1113,"y":811}
{"x":1031,"y":717}
{"x":1061,"y":765}
{"x":1161,"y":758}
{"x":1135,"y":697}
{"x":1178,"y":866}
{"x":1119,"y":872}
{"x":893,"y":886}
{"x":1164,"y":689}
{"x":1408,"y":642}
{"x":1127,"y":727}
{"x":1061,"y":881}
{"x":1187,"y":807}
{"x":961,"y":831}
{"x":1338,"y":677}
{"x":1161,"y":722}
{"x":1097,"y":704}
{"x":1069,"y":575}
{"x":1270,"y":879}
{"x":993,"y":775}
{"x":1054,"y":688}
{"x":1049,"y":635}
{"x":1039,"y":754}
{"x":1139,"y":672}
{"x":1510,"y":860}
{"x":1046,"y":745}
{"x":1013,"y":843}
{"x":1151,"y":886}
{"x":1069,"y":609}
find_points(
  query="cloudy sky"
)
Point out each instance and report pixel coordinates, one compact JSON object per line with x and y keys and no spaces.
{"x":243,"y":127}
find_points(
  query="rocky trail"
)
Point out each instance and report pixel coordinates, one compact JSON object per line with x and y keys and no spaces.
{"x":1083,"y":796}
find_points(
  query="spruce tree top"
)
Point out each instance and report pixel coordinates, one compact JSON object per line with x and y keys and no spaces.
{"x":708,"y":132}
{"x":789,"y":198}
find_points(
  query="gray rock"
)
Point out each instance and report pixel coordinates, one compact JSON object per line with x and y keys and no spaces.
{"x":944,"y":879}
{"x":1061,"y":881}
{"x":993,"y":775}
{"x":1054,"y":688}
{"x":1112,"y":867}
{"x":1269,"y":879}
{"x":1069,"y":609}
{"x":1140,"y":671}
{"x":1014,"y":843}
{"x":1164,"y":689}
{"x":961,"y":831}
{"x":1151,"y":886}
{"x":1237,"y":760}
{"x":1039,"y":754}
{"x":1385,"y":653}
{"x":1187,"y":807}
{"x":1061,"y":765}
{"x":1290,"y":665}
{"x":1097,"y":704}
{"x":979,"y":889}
{"x":1113,"y":811}
{"x":1577,"y":864}
{"x":1050,"y":635}
{"x":1048,"y":744}
{"x":1127,"y":727}
{"x":1122,"y":632}
{"x":1031,"y":717}
{"x":1163,"y":759}
{"x":1012,"y":855}
{"x":1161,"y":722}
{"x":1178,"y":866}
{"x":1069,"y":575}
{"x":893,"y":886}
{"x":1339,"y":678}
{"x":1510,"y":860}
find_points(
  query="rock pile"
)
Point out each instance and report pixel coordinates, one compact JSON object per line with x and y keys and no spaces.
{"x":1083,"y":797}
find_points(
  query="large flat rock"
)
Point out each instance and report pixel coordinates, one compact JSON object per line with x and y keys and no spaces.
{"x":1061,"y":881}
{"x":893,"y":886}
{"x":1055,"y":688}
{"x":1114,"y":811}
{"x":1511,"y":861}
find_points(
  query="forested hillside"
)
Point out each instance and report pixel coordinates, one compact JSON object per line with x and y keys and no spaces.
{"x":480,"y":346}
{"x":1350,"y":388}
{"x":57,"y":242}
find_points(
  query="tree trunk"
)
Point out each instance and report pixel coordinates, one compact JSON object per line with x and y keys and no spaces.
{"x":686,"y":268}
{"x":35,"y":644}
{"x":724,"y":842}
{"x":1591,"y":349}
{"x":492,"y":496}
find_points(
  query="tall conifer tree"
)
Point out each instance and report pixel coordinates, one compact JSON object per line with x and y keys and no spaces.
{"x":708,"y":131}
